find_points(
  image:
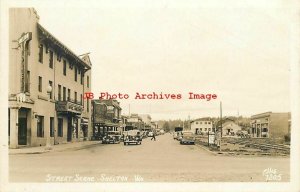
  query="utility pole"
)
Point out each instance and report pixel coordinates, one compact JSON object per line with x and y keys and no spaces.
{"x":221,"y":124}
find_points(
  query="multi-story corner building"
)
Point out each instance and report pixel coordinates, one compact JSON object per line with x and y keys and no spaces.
{"x":47,"y":82}
{"x":202,"y":125}
{"x":271,"y":125}
{"x":106,"y":116}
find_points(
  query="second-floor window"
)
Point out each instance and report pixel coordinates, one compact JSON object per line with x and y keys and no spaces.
{"x":65,"y":67}
{"x":40,"y":84}
{"x":80,"y":99}
{"x":64,"y":94}
{"x":51,"y":84}
{"x":75,"y":95}
{"x":41,"y":50}
{"x":69,"y":95}
{"x":75,"y":72}
{"x":51,"y":59}
{"x":81,"y":78}
{"x":87,"y":81}
{"x":59,"y":92}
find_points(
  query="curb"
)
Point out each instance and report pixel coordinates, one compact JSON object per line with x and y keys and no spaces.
{"x":53,"y":150}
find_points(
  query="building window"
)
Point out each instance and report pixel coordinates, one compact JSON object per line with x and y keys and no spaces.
{"x":51,"y":126}
{"x":40,"y":126}
{"x":27,"y":84}
{"x":59,"y":92}
{"x":65,"y":67}
{"x":81,"y":78}
{"x":88,"y":81}
{"x":64,"y":94}
{"x":80,"y":99}
{"x":50,"y":84}
{"x":51,"y":59}
{"x":196,"y":122}
{"x":75,"y":95}
{"x":208,"y":122}
{"x":40,"y":84}
{"x":213,"y":129}
{"x":60,"y":127}
{"x":205,"y":122}
{"x":87,"y":105}
{"x":75,"y":73}
{"x":41,"y":52}
{"x":69,"y":95}
{"x":200,"y":122}
{"x":205,"y":129}
{"x":209,"y":129}
{"x":200,"y":129}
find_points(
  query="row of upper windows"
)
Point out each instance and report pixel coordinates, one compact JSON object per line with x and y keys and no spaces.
{"x":77,"y":71}
{"x":64,"y":94}
{"x":206,"y":129}
{"x":205,"y":122}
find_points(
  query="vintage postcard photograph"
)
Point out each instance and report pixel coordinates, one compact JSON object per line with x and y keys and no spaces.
{"x":150,"y":95}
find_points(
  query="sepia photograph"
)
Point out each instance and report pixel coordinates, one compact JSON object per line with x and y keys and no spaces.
{"x":130,"y":95}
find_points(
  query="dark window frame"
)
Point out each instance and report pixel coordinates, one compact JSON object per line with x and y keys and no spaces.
{"x":41,"y":53}
{"x":40,"y":84}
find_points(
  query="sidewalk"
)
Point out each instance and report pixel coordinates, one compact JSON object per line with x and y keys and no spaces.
{"x":55,"y":148}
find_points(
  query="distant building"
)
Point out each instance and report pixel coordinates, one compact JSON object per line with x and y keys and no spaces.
{"x":202,"y":125}
{"x":147,"y":121}
{"x":229,"y":127}
{"x":106,"y":116}
{"x":134,"y":121}
{"x":271,"y":125}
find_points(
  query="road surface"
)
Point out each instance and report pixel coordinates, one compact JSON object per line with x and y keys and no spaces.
{"x":163,"y":160}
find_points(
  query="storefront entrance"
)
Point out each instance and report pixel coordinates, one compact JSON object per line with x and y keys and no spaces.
{"x":22,"y":127}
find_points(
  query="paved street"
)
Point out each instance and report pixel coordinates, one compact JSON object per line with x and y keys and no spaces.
{"x":163,"y":160}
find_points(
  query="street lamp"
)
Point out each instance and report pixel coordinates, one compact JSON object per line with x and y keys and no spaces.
{"x":48,"y":142}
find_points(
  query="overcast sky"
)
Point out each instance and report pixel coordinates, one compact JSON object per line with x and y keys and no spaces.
{"x":241,"y":54}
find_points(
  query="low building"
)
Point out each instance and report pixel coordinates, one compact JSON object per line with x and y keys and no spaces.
{"x":134,"y":121}
{"x":106,"y":116}
{"x":270,"y":125}
{"x":229,"y":127}
{"x":202,"y":126}
{"x":146,"y":118}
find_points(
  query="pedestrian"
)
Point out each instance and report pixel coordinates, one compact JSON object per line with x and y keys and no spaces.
{"x":153,"y":137}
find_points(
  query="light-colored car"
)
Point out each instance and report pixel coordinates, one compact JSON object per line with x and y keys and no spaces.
{"x":112,"y":137}
{"x":132,"y":137}
{"x":188,"y":137}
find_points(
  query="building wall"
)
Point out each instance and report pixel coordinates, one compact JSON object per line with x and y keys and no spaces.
{"x":232,"y":126}
{"x":279,"y":125}
{"x":24,"y":20}
{"x":202,"y":126}
{"x":276,"y":123}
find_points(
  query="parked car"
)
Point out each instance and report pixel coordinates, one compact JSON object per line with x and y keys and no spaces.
{"x":132,"y":137}
{"x":243,"y":134}
{"x":188,"y":137}
{"x":112,"y":137}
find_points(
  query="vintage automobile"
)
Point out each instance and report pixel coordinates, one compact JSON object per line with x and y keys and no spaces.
{"x":243,"y":134}
{"x":132,"y":137}
{"x":112,"y":137}
{"x":188,"y":137}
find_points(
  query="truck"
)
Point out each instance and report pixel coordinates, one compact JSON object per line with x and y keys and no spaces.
{"x":177,"y":133}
